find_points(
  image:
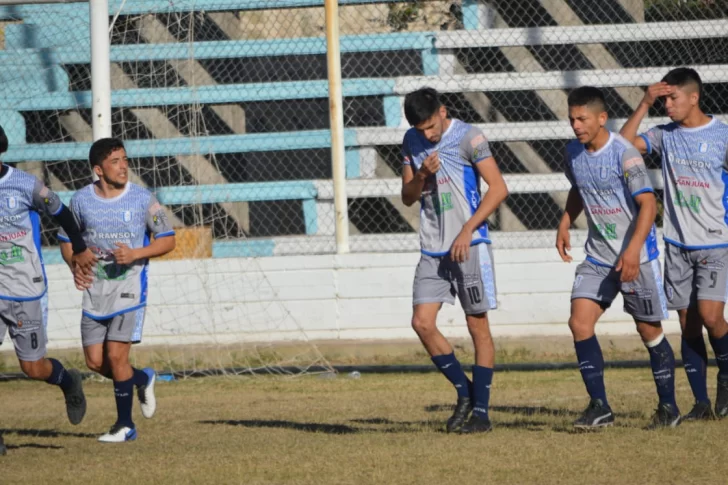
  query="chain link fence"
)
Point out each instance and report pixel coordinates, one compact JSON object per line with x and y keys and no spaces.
{"x":224,"y":105}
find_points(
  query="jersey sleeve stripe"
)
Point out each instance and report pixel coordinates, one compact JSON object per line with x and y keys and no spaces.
{"x":164,"y":234}
{"x":642,"y":191}
{"x":647,"y":142}
{"x":63,"y":238}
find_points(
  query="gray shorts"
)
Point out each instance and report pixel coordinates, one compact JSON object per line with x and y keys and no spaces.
{"x":125,"y":327}
{"x":26,"y":321}
{"x":692,"y":275}
{"x":644,"y":297}
{"x":438,"y":279}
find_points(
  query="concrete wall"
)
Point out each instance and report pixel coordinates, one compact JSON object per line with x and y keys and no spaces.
{"x":358,"y":296}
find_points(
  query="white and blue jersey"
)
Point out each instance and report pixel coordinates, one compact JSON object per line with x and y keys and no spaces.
{"x":695,"y":169}
{"x":452,"y":195}
{"x":608,"y":180}
{"x":129,"y":218}
{"x":22,"y":197}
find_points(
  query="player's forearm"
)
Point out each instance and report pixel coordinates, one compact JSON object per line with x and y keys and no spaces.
{"x":643,"y":226}
{"x":66,"y":220}
{"x":67,"y":253}
{"x":158,"y":247}
{"x":632,"y":126}
{"x":574,"y":206}
{"x":412,"y":190}
{"x":493,"y":198}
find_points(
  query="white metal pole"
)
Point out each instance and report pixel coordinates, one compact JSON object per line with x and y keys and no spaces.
{"x":100,"y":69}
{"x":336,"y":116}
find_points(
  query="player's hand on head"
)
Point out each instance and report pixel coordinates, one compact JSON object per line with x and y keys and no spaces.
{"x":460,"y":249}
{"x":431,"y":164}
{"x":656,"y":91}
{"x":85,"y":261}
{"x":628,"y":265}
{"x":563,"y":244}
{"x":124,"y":254}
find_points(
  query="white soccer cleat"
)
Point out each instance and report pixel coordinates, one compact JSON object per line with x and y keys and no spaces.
{"x":147,"y":399}
{"x":119,"y":434}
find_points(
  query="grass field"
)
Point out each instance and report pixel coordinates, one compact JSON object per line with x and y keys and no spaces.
{"x":384,"y":429}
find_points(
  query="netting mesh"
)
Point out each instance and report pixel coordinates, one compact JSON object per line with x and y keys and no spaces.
{"x":224,"y":108}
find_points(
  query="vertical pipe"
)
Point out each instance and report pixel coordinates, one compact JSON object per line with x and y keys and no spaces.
{"x":336,"y":115}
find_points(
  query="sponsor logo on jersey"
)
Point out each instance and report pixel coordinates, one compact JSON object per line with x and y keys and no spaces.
{"x":692,"y":182}
{"x":7,"y":219}
{"x":604,"y":211}
{"x":12,"y":236}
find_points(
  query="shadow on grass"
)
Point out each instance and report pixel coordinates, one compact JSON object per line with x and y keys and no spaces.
{"x":34,"y":445}
{"x":273,"y":423}
{"x":45,"y":433}
{"x":390,"y":426}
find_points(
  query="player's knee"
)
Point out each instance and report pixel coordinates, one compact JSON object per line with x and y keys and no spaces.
{"x":478,"y":326}
{"x":422,"y":326}
{"x":117,"y":357}
{"x":580,"y":328}
{"x":33,"y":369}
{"x":713,"y":321}
{"x":94,"y":365}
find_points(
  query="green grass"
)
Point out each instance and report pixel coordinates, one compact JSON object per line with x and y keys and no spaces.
{"x":377,"y":429}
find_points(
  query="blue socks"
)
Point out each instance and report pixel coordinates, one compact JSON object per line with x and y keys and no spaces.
{"x":695,"y":361}
{"x":451,"y":369}
{"x":662,"y":360}
{"x":59,"y":377}
{"x":482,"y":379}
{"x":124,"y":392}
{"x":720,"y":348}
{"x":591,"y":366}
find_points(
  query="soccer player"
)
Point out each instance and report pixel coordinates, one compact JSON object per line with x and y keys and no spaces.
{"x":610,"y":183}
{"x":23,"y":285}
{"x":694,"y":153}
{"x":116,"y":218}
{"x":444,"y":160}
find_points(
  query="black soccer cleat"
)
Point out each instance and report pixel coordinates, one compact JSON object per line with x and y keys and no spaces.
{"x":75,"y":398}
{"x":596,"y":415}
{"x":666,"y":416}
{"x":702,"y":411}
{"x":3,"y":450}
{"x":721,"y":399}
{"x":462,"y":410}
{"x":476,"y":424}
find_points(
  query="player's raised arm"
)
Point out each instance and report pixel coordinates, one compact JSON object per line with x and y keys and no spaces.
{"x":413,"y":180}
{"x":631,"y":127}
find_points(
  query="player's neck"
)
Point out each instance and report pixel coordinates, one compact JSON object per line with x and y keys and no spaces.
{"x":696,"y":120}
{"x":599,"y":141}
{"x":107,"y":191}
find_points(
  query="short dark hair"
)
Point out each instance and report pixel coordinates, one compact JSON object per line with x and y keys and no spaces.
{"x":587,"y":96}
{"x":683,"y":76}
{"x":3,"y":141}
{"x":420,"y":105}
{"x":102,"y":148}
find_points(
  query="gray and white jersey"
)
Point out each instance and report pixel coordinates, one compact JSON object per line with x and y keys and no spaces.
{"x":695,"y":169}
{"x":452,"y":195}
{"x":130,"y":219}
{"x":608,"y":180}
{"x":22,"y":197}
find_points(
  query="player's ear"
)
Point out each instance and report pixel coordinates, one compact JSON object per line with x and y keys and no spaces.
{"x":443,"y":112}
{"x":98,"y":171}
{"x":603,"y":118}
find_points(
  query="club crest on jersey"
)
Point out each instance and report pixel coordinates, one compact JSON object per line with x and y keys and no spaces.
{"x":703,"y":148}
{"x":604,"y":173}
{"x":126,"y":216}
{"x":12,"y":202}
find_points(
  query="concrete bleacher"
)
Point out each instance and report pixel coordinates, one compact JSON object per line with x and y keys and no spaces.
{"x":46,"y":38}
